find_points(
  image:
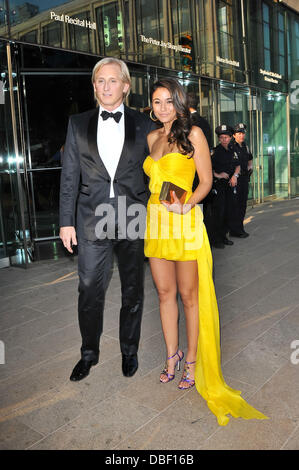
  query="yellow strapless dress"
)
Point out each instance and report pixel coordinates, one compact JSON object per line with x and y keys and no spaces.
{"x":168,"y":237}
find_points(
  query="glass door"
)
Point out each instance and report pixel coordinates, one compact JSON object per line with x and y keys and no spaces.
{"x":239,"y":104}
{"x":46,"y":119}
{"x":274,"y":165}
{"x":15,"y":240}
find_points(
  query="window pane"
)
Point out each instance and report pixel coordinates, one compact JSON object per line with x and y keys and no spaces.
{"x":185,"y":21}
{"x":281,"y":43}
{"x":266,"y":36}
{"x":46,"y":185}
{"x":281,"y":65}
{"x":111,"y":28}
{"x":150,"y":23}
{"x":266,"y":13}
{"x":280,"y":22}
{"x":267,"y":59}
{"x":174,"y":17}
{"x":58,"y":98}
{"x":30,"y":37}
{"x":79,"y":36}
{"x":52,"y":34}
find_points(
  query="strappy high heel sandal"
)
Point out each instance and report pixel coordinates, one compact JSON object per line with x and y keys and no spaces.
{"x":170,"y":377}
{"x":186,"y":375}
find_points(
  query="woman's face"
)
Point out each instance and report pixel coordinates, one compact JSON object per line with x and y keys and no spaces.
{"x":163,"y":107}
{"x":239,"y":137}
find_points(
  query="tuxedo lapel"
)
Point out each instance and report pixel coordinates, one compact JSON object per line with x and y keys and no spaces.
{"x":129,"y":141}
{"x":92,"y":132}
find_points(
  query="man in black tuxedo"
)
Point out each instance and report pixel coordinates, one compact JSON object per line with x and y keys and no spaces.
{"x":197,"y":119}
{"x":102,"y":177}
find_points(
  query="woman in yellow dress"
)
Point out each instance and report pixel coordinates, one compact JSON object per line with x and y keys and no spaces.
{"x":179,"y":253}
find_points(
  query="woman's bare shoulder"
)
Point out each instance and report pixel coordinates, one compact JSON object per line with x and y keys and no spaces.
{"x":196,"y":133}
{"x":153,"y":136}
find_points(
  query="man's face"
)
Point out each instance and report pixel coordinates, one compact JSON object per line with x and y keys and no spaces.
{"x":239,"y":137}
{"x":224,"y":140}
{"x":109,"y":87}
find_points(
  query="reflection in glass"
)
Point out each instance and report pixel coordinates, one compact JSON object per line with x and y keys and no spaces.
{"x":293,"y":60}
{"x":13,"y":207}
{"x":266,"y":35}
{"x":52,"y":34}
{"x":225,"y":30}
{"x":21,"y":10}
{"x":31,"y":36}
{"x":110,"y":28}
{"x":148,"y":15}
{"x":275,"y":161}
{"x":79,"y":36}
{"x":182,"y":34}
{"x":45,"y":189}
{"x":47,"y":123}
{"x":138,"y":97}
{"x":281,"y":46}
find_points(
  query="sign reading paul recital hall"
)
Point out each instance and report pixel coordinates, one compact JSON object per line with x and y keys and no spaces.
{"x":75,"y":21}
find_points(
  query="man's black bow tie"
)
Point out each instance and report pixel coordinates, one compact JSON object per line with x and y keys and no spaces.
{"x":116,"y":116}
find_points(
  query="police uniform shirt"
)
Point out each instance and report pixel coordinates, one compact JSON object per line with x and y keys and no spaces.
{"x":244,"y":155}
{"x":224,"y":160}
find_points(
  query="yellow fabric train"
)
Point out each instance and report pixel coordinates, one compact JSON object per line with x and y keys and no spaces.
{"x":181,"y":238}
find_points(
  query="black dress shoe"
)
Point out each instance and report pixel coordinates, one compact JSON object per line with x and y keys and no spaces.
{"x":81,"y":370}
{"x":240,"y":235}
{"x":129,"y":364}
{"x":218,"y":245}
{"x":226,"y":241}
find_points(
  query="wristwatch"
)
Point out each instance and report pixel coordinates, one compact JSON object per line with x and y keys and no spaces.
{"x":236,"y":175}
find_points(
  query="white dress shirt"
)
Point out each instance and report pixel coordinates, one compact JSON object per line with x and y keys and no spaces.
{"x":110,"y":140}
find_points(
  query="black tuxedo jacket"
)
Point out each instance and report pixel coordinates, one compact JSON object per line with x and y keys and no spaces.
{"x":199,"y":121}
{"x":85,"y":182}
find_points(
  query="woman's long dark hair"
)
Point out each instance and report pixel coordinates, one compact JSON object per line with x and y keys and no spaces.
{"x":181,"y":127}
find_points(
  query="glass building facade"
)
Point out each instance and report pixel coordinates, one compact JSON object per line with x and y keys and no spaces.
{"x":240,"y":57}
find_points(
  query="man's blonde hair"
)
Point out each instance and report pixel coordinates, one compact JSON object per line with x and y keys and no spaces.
{"x":124,"y":71}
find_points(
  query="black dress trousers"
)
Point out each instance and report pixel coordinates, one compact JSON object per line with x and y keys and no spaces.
{"x":237,"y":206}
{"x":216,"y":220}
{"x":95,"y":260}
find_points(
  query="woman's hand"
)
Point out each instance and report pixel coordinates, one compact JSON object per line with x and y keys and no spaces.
{"x":176,"y":206}
{"x":233,"y":181}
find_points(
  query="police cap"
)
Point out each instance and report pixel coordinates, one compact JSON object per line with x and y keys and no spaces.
{"x":240,"y":128}
{"x":224,"y":129}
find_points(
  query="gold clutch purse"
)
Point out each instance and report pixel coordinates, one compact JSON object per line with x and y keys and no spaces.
{"x":166,"y":195}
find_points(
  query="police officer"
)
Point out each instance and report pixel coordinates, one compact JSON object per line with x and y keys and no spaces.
{"x":245,"y":158}
{"x":226,"y":168}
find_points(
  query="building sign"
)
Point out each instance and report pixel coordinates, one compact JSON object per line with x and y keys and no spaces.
{"x":228,"y":61}
{"x":167,"y":45}
{"x":270,"y":76}
{"x":75,"y":21}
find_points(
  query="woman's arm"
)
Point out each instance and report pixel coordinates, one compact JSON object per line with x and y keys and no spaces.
{"x":202,"y":160}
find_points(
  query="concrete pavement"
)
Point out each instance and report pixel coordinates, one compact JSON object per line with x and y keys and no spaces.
{"x":257,"y":285}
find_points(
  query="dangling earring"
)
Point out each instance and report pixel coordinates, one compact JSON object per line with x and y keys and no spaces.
{"x":151,"y":116}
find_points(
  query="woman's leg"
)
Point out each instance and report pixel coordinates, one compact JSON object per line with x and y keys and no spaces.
{"x":164,"y":276}
{"x":187,"y":279}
